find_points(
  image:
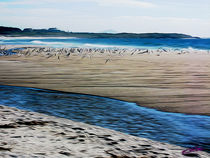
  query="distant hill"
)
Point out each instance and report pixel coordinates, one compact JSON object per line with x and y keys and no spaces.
{"x":9,"y":30}
{"x":53,"y":32}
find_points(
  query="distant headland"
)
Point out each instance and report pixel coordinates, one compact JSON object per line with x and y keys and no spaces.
{"x":54,"y":32}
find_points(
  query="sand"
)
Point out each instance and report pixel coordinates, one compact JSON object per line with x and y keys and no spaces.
{"x":30,"y":134}
{"x":173,"y":81}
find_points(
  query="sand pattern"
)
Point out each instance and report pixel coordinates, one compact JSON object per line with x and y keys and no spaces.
{"x":30,"y":134}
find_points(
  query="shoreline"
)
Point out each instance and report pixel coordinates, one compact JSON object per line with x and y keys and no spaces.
{"x":49,"y":136}
{"x":167,"y":81}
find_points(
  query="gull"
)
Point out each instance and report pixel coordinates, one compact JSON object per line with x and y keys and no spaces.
{"x":146,"y":51}
{"x":107,"y":60}
{"x":133,"y":53}
{"x":164,"y":50}
{"x":49,"y":56}
{"x":102,"y":51}
{"x":68,"y":54}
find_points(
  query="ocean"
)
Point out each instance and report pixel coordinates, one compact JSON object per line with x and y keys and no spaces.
{"x":130,"y":43}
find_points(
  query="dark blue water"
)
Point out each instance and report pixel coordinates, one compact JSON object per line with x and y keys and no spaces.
{"x":109,"y":42}
{"x":180,"y":129}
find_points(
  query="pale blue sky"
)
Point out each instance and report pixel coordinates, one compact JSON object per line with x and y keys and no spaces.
{"x":181,"y":16}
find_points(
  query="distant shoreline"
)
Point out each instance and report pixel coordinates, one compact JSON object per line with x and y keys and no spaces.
{"x":17,"y":32}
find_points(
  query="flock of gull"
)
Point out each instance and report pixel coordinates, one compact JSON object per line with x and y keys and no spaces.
{"x":83,"y":52}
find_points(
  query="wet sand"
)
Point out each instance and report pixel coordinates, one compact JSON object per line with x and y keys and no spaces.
{"x":172,"y":81}
{"x":30,"y":134}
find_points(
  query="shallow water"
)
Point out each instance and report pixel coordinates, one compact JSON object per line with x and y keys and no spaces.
{"x":179,"y":129}
{"x":108,"y":42}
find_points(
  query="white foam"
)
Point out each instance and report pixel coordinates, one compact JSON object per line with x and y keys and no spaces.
{"x":49,"y":43}
{"x":104,"y":46}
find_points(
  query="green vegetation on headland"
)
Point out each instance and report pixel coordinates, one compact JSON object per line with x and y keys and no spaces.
{"x":53,"y":32}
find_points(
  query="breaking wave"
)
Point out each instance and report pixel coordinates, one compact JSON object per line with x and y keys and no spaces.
{"x":202,"y":44}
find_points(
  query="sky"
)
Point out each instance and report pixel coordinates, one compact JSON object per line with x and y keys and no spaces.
{"x":136,"y":16}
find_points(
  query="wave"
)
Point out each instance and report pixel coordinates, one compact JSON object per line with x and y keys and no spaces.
{"x":105,"y":46}
{"x":50,"y":43}
{"x":68,"y":44}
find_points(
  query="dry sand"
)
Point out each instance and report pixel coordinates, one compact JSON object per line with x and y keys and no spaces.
{"x":169,"y":81}
{"x":30,"y":134}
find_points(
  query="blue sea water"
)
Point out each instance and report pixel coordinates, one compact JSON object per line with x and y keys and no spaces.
{"x":67,"y":42}
{"x":180,"y":129}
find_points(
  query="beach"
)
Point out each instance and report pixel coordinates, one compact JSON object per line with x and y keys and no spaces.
{"x":104,"y":79}
{"x":31,"y":134}
{"x":172,"y":80}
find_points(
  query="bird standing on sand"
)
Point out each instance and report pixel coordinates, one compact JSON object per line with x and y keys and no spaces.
{"x":133,"y":53}
{"x":107,"y":60}
{"x":68,"y":54}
